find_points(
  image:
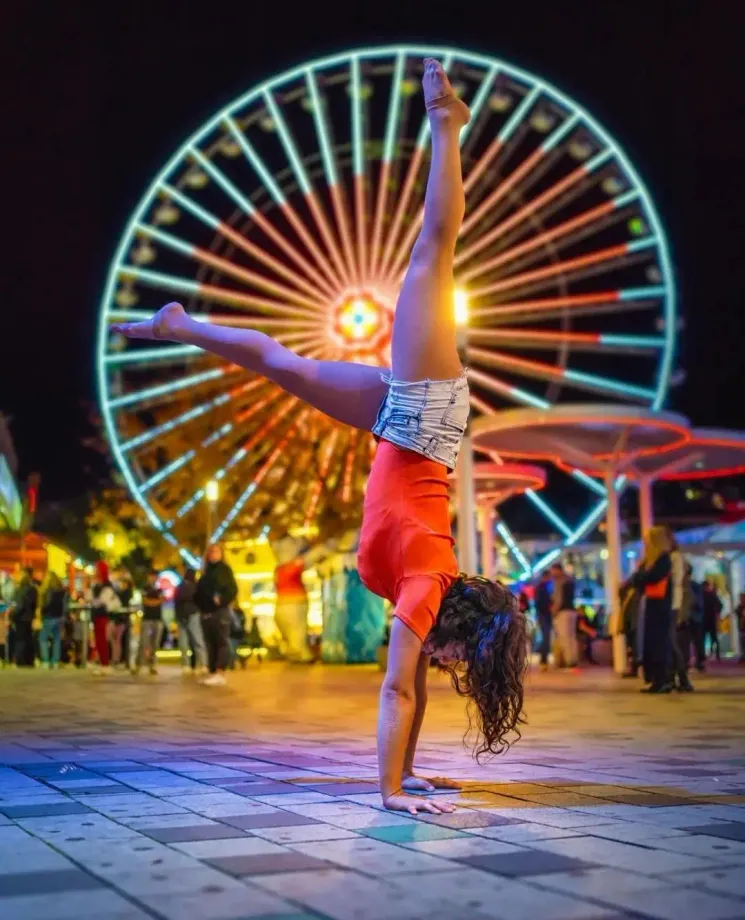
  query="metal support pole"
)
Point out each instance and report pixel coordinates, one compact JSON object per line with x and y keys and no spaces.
{"x":646,"y":504}
{"x":613,"y":573}
{"x":466,"y":507}
{"x":487,"y":516}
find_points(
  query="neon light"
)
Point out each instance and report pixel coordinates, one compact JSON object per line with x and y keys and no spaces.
{"x":317,"y":106}
{"x":146,"y":355}
{"x":167,"y":470}
{"x":646,"y":243}
{"x":633,"y":341}
{"x":559,"y":133}
{"x":509,"y":127}
{"x":512,"y":545}
{"x":642,"y":293}
{"x":394,"y":106}
{"x":590,"y":521}
{"x":287,"y":143}
{"x":357,"y":144}
{"x":546,"y":561}
{"x":255,"y":160}
{"x":222,"y":180}
{"x":589,"y":482}
{"x":548,"y":512}
{"x":164,"y":389}
{"x":609,"y":385}
{"x":482,"y":94}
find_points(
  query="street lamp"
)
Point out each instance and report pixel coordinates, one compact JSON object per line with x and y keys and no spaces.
{"x":109,"y":540}
{"x":466,"y":486}
{"x":211,"y":493}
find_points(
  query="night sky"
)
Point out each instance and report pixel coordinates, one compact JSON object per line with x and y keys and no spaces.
{"x":98,"y":100}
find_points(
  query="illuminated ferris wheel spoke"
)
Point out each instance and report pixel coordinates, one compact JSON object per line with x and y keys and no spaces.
{"x":548,"y":512}
{"x":578,"y":379}
{"x":311,"y":199}
{"x":534,"y":205}
{"x":336,"y":191}
{"x":293,"y":212}
{"x":391,"y":133}
{"x":414,"y":167}
{"x":358,"y":170}
{"x":329,"y":282}
{"x":319,"y":294}
{"x":565,"y":268}
{"x":512,"y":337}
{"x":222,"y":295}
{"x":476,"y":105}
{"x":151,"y":394}
{"x":230,"y":268}
{"x":513,"y":394}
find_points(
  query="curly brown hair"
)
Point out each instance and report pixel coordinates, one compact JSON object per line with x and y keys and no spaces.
{"x":484,"y":617}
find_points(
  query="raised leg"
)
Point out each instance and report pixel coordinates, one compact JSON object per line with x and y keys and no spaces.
{"x":349,"y":393}
{"x":424,"y":343}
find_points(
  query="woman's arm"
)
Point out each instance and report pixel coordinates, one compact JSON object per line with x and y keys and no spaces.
{"x":396,"y":721}
{"x":643,"y":577}
{"x":420,"y":691}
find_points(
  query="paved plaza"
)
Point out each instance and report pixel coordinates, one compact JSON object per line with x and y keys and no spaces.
{"x":124,"y":799}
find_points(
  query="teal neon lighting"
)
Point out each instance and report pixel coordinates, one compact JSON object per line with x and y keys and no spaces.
{"x":287,"y":142}
{"x":643,"y":293}
{"x":188,"y":505}
{"x":509,"y":127}
{"x":234,"y":511}
{"x":482,"y":94}
{"x":529,"y":399}
{"x":255,"y":160}
{"x":633,"y":341}
{"x":329,"y":165}
{"x":509,"y":540}
{"x":357,"y":126}
{"x":559,"y":133}
{"x":548,"y":512}
{"x":546,"y":561}
{"x":222,"y":180}
{"x":394,"y":107}
{"x":130,"y":399}
{"x":167,"y":239}
{"x":622,"y":200}
{"x":152,"y":433}
{"x":397,"y":53}
{"x":148,"y":355}
{"x":609,"y":385}
{"x":646,"y":243}
{"x":167,"y":470}
{"x":588,"y":481}
{"x":161,"y":280}
{"x":600,"y":159}
{"x":590,"y":521}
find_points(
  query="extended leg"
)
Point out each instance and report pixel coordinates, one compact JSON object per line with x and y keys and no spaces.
{"x":349,"y":393}
{"x":424,"y":343}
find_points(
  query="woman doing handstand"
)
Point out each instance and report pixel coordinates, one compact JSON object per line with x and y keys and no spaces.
{"x":418,"y":412}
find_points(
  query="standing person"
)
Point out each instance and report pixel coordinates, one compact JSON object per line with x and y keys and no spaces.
{"x":23,"y":611}
{"x":418,"y":412}
{"x":740,"y":618}
{"x":543,"y":604}
{"x":53,"y":602}
{"x":119,"y":621}
{"x":681,"y":637}
{"x":652,"y":578}
{"x":564,"y":617}
{"x":216,"y":591}
{"x":190,"y":635}
{"x":104,"y":603}
{"x":696,"y":622}
{"x":712,"y":612}
{"x":630,"y":600}
{"x":151,"y":625}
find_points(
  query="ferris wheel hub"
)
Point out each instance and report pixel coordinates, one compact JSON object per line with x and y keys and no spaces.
{"x":361,"y":324}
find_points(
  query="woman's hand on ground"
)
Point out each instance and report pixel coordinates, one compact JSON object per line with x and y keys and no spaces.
{"x":413,"y":783}
{"x":401,"y":801}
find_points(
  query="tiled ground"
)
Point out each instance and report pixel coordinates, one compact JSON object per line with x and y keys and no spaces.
{"x":124,"y":799}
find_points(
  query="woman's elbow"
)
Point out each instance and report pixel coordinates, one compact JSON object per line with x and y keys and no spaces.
{"x":396,"y":689}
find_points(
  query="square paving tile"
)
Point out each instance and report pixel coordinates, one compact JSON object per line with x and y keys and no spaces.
{"x":191,"y":833}
{"x":27,"y":883}
{"x":525,"y":863}
{"x":41,"y":811}
{"x":411,"y":833}
{"x":261,"y":865}
{"x":731,"y":831}
{"x":273,"y":819}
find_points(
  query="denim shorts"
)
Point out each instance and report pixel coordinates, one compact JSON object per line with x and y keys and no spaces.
{"x":427,"y":417}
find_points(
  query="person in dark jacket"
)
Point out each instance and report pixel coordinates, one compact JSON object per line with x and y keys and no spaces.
{"x":190,"y":635}
{"x":543,"y":615}
{"x":214,"y":596}
{"x":23,"y":612}
{"x":53,"y":604}
{"x":712,"y":612}
{"x":652,"y":579}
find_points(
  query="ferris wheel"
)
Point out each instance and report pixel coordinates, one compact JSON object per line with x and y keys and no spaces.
{"x":293,"y":210}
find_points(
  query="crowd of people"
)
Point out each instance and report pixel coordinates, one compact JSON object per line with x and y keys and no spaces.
{"x":51,"y":623}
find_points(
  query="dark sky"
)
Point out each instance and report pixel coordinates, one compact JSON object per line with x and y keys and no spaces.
{"x":101,"y":94}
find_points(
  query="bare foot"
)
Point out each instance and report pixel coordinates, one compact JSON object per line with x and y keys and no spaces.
{"x":439,"y":97}
{"x":165,"y":325}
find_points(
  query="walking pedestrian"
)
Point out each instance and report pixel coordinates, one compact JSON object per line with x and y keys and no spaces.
{"x":23,"y":612}
{"x":216,"y":591}
{"x":564,"y":618}
{"x":104,"y":603}
{"x":542,"y":597}
{"x":652,"y":578}
{"x":712,"y":612}
{"x":190,"y":634}
{"x":53,"y":603}
{"x":151,"y":625}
